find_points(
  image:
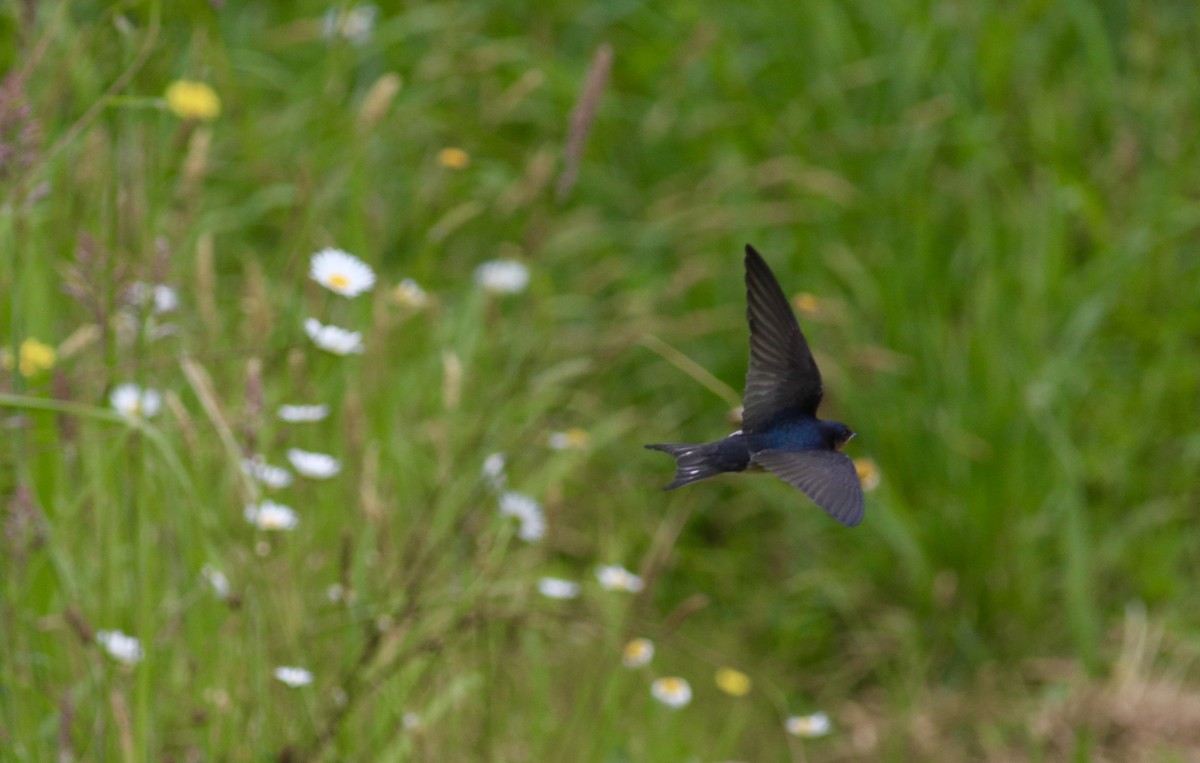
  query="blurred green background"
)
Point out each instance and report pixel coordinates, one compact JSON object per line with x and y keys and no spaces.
{"x":994,"y":207}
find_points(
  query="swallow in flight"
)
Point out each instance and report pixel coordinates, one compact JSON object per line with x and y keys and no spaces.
{"x":780,"y":429}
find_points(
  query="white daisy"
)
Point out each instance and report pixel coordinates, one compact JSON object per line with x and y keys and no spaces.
{"x":502,"y":276}
{"x":293,"y":677}
{"x":493,"y":471}
{"x":411,"y":721}
{"x":216,"y":579}
{"x":557,"y":588}
{"x":410,"y":294}
{"x":296,"y":414}
{"x":274,"y":477}
{"x":672,"y":692}
{"x":572,"y":439}
{"x":162,"y":298}
{"x":120,"y":646}
{"x":614,"y":577}
{"x":133,"y":402}
{"x":637,"y":653}
{"x":269,"y":515}
{"x":315,"y":465}
{"x":339,"y":341}
{"x":341,"y":272}
{"x":528,"y":511}
{"x":533,"y":528}
{"x":815,"y":725}
{"x":353,"y":24}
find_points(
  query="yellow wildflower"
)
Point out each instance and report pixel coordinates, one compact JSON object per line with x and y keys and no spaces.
{"x":453,"y":158}
{"x":193,"y":100}
{"x":807,"y":304}
{"x":34,"y":358}
{"x":868,"y":473}
{"x":733,"y":682}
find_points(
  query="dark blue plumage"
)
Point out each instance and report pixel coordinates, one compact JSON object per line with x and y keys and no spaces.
{"x":780,"y":429}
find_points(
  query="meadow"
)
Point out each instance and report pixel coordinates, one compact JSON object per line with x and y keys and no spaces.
{"x":988,"y":214}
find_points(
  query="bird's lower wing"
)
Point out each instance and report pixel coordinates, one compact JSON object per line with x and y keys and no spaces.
{"x":826,"y":476}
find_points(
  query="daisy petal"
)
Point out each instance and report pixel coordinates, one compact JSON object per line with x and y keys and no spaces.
{"x":315,"y":465}
{"x":502,"y":276}
{"x":557,"y":588}
{"x":293,"y":677}
{"x":339,"y":341}
{"x":120,"y":646}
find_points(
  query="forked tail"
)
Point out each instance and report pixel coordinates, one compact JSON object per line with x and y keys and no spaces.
{"x":693,"y":462}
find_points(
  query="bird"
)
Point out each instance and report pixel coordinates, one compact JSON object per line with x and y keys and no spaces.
{"x":780,"y":430}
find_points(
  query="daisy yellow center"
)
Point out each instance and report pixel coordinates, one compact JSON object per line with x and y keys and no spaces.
{"x":672,"y":686}
{"x":339,"y":281}
{"x":635,"y":650}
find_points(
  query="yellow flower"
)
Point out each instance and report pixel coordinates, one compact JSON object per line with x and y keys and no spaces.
{"x":733,"y":682}
{"x":453,"y":158}
{"x":193,"y":100}
{"x":35,"y":357}
{"x":868,"y":473}
{"x":806,"y":303}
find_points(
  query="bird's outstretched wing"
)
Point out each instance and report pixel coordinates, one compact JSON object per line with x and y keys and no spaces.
{"x":783,"y":377}
{"x":826,"y":476}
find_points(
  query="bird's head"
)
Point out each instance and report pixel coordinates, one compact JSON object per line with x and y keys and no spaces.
{"x":836,"y":434}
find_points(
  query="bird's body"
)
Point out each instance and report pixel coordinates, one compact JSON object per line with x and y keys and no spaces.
{"x":780,"y":429}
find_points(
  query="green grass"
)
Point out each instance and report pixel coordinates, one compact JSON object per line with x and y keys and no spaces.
{"x":995,"y":203}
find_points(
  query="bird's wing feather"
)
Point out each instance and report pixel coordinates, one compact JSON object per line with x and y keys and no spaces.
{"x":826,"y":476}
{"x":783,"y":377}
